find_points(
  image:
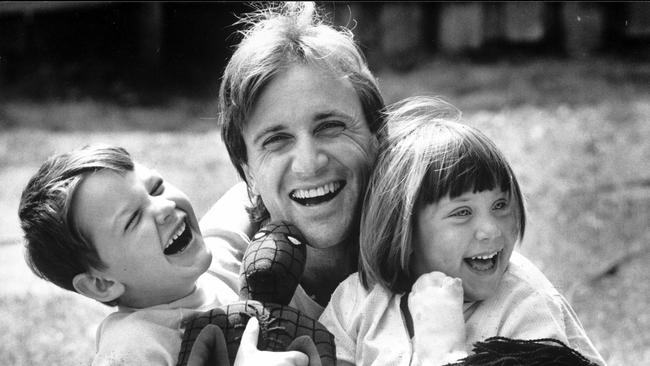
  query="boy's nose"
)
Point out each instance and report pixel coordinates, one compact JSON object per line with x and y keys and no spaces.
{"x":164,"y":209}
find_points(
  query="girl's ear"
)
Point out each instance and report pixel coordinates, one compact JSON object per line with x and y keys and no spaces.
{"x":97,"y":287}
{"x":250,"y":180}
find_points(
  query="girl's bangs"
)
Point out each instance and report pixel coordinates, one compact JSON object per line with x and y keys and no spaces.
{"x":470,"y":167}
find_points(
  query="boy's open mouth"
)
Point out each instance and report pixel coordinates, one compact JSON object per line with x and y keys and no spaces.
{"x":315,"y":196}
{"x":483,"y":263}
{"x":180,"y":240}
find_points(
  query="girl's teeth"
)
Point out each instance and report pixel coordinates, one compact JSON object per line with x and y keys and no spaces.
{"x":485,"y":256}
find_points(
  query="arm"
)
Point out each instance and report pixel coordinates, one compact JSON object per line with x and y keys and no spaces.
{"x":436,"y":307}
{"x":226,"y":229}
{"x":531,"y":308}
{"x":132,"y":339}
{"x":542,"y":315}
{"x":229,"y":213}
{"x":338,"y":319}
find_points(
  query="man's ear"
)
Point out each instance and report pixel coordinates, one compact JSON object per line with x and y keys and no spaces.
{"x":98,"y":287}
{"x":250,"y":180}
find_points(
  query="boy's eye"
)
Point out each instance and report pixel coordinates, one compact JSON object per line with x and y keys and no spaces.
{"x":132,"y":220}
{"x":158,"y":188}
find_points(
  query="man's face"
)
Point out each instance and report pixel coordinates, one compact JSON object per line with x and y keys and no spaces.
{"x":309,"y":153}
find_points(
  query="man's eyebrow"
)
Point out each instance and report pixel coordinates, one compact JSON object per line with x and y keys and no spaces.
{"x":332,"y":113}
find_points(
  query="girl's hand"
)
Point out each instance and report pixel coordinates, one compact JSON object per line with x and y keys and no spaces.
{"x":436,"y":307}
{"x":436,"y":294}
{"x":249,"y":355}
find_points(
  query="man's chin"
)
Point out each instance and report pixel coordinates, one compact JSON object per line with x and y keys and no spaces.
{"x":323,"y":239}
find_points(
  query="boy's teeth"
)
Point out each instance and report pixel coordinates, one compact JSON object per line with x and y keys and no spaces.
{"x":176,"y":234}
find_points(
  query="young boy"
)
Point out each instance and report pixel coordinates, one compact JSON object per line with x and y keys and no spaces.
{"x":110,"y":229}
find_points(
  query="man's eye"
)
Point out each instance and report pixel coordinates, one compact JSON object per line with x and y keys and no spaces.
{"x":275,"y":142}
{"x":330,"y":127}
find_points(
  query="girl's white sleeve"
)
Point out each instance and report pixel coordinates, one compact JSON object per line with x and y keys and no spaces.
{"x":340,"y":317}
{"x":548,"y":315}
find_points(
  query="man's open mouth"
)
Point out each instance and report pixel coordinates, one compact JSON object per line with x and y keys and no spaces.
{"x":180,"y":240}
{"x":483,"y":263}
{"x":315,"y":196}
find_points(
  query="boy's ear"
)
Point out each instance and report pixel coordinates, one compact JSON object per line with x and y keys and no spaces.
{"x":250,"y":180}
{"x":97,"y":287}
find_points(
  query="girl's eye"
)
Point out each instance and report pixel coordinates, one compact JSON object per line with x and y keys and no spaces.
{"x":330,"y":128}
{"x":501,"y":204}
{"x":461,"y":212}
{"x":275,"y":142}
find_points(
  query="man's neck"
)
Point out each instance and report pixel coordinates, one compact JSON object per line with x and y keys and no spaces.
{"x":326,"y":268}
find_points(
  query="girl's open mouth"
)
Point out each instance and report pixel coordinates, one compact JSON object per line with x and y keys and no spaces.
{"x":483,"y":263}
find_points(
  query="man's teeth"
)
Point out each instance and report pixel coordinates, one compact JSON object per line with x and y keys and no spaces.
{"x":316,"y":192}
{"x":176,"y":235}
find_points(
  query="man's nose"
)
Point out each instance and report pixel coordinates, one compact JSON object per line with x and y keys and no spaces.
{"x":308,"y":158}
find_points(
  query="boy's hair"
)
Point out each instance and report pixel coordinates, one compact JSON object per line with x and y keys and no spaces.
{"x":276,"y":38}
{"x":56,"y":250}
{"x":427,"y":154}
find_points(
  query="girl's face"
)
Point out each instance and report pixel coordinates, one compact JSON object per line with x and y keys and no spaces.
{"x":470,"y":237}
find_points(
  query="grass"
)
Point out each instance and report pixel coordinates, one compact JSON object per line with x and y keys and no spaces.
{"x":576,"y":132}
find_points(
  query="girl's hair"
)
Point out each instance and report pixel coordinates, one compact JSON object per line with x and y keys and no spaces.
{"x":55,"y":248}
{"x":275,"y":38}
{"x":426,"y":155}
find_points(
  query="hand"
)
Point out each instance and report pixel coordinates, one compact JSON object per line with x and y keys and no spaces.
{"x":436,"y":307}
{"x":434,"y":295}
{"x":249,"y":355}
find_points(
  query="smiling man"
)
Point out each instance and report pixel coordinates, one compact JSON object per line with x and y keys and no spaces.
{"x":300,"y":113}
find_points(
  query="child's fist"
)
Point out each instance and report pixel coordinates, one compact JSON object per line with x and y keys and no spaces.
{"x":435,"y":292}
{"x":436,"y":307}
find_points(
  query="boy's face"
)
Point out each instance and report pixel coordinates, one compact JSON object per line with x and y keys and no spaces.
{"x":145,"y":231}
{"x":470,"y":237}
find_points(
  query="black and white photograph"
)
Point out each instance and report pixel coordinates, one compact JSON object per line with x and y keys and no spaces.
{"x":324,"y":183}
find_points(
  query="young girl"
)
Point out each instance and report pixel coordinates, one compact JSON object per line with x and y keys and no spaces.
{"x":441,"y":217}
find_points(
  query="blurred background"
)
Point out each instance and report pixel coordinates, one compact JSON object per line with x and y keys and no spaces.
{"x":562,"y":87}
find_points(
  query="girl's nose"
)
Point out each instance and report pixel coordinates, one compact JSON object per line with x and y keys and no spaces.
{"x":487,"y":230}
{"x":163,"y":209}
{"x":308,"y":158}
